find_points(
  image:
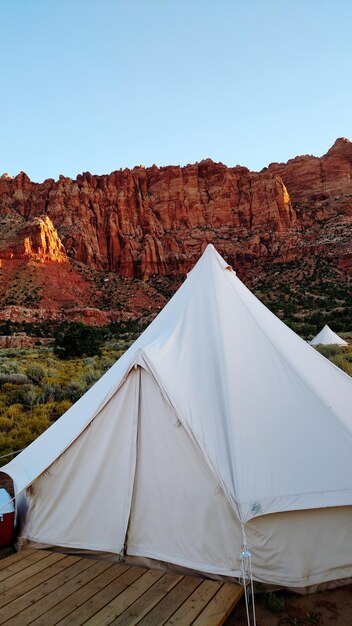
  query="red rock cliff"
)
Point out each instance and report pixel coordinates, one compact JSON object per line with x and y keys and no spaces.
{"x":310,"y":179}
{"x":157,"y":220}
{"x":36,"y":239}
{"x":321,"y":193}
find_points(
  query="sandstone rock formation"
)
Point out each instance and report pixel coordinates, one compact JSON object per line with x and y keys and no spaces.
{"x":311,"y":179}
{"x":21,"y":340}
{"x":147,"y":223}
{"x":35,"y":239}
{"x":321,"y":193}
{"x":156,"y":221}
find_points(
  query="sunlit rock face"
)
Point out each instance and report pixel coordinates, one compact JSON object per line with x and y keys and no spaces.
{"x":321,"y":193}
{"x":155,"y":222}
{"x":313,"y":179}
{"x":35,"y":239}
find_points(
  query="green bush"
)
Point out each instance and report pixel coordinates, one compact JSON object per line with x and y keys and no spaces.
{"x":76,"y":339}
{"x":273,"y":602}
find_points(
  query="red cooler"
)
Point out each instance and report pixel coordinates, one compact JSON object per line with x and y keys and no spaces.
{"x":7,"y":519}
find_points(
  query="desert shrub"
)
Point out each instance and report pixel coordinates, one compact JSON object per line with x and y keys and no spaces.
{"x":6,"y":424}
{"x":8,"y":366}
{"x":341,"y":356}
{"x":273,"y":602}
{"x":331,"y":350}
{"x":115,"y":344}
{"x":90,"y":376}
{"x":27,"y":396}
{"x":109,"y":361}
{"x":14,"y":379}
{"x":307,"y":331}
{"x":13,"y":352}
{"x":19,"y":428}
{"x":51,"y":392}
{"x":39,"y":419}
{"x":126,"y":327}
{"x":14,"y":412}
{"x":342,"y":363}
{"x":59,"y":408}
{"x":75,"y":390}
{"x":35,"y":373}
{"x":7,"y":328}
{"x":89,"y":361}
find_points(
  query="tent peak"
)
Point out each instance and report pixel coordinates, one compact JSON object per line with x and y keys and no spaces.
{"x":327,"y":337}
{"x":211,"y":250}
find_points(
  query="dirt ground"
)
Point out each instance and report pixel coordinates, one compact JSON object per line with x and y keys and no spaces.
{"x":326,"y":608}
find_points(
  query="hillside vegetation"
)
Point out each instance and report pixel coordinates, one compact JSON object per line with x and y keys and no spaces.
{"x":37,"y":387}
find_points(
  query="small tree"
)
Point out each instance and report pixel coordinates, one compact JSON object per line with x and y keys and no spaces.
{"x":76,"y":339}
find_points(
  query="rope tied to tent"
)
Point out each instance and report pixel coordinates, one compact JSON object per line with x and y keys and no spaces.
{"x":247,"y":578}
{"x":11,"y":454}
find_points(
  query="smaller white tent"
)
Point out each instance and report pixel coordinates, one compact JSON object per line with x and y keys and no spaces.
{"x":327,"y":337}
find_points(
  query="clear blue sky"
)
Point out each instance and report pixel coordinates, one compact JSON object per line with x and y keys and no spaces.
{"x":102,"y":84}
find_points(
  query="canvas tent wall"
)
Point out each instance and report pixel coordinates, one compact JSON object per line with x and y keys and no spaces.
{"x":218,"y":420}
{"x":327,"y":337}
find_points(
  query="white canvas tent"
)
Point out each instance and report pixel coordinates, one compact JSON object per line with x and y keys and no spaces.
{"x":327,"y":337}
{"x":217,"y":420}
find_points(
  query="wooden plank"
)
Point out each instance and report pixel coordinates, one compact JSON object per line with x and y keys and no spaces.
{"x":220,"y":607}
{"x":125,"y":599}
{"x":17,"y":556}
{"x":101,"y":594}
{"x":45,"y":588}
{"x":172,"y":601}
{"x":21,"y":564}
{"x":28,"y":572}
{"x":148,"y":600}
{"x":91,"y":570}
{"x":62,"y":611}
{"x":195,"y":604}
{"x":18,"y":598}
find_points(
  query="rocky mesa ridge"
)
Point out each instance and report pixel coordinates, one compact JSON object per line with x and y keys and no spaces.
{"x":155,"y":220}
{"x":147,"y":223}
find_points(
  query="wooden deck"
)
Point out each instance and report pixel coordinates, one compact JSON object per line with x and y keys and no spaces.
{"x":44,"y":588}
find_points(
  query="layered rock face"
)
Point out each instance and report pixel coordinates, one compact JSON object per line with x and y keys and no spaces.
{"x":148,"y":222}
{"x":321,"y":193}
{"x":312,"y":179}
{"x":21,"y":340}
{"x":36,"y":239}
{"x":157,"y":221}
